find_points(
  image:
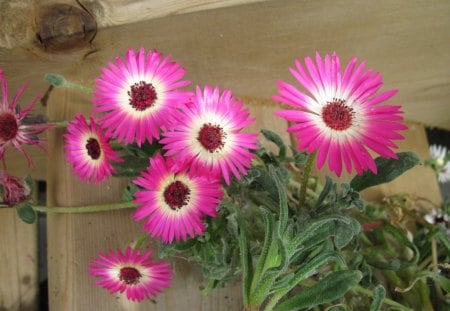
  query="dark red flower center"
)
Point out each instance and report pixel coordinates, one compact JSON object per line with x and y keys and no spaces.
{"x":129,"y":275}
{"x":142,"y":96}
{"x":176,"y":195}
{"x":337,"y":115}
{"x":211,"y":137}
{"x":93,"y":148}
{"x":8,"y":126}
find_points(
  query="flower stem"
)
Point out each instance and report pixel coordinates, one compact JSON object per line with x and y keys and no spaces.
{"x":140,"y":241}
{"x":84,"y":209}
{"x":59,"y":124}
{"x":387,"y":301}
{"x":79,"y":87}
{"x":305,"y":178}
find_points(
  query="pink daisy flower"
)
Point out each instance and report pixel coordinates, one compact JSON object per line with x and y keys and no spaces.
{"x":208,"y":134}
{"x":131,"y":272}
{"x":339,"y":114}
{"x":88,"y":150}
{"x":13,"y":131}
{"x":175,"y":200}
{"x":137,"y":95}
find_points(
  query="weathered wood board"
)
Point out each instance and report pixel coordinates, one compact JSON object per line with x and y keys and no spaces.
{"x":249,"y":47}
{"x":19,"y":263}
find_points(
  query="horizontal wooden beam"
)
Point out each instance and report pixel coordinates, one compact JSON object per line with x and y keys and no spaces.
{"x":20,"y":20}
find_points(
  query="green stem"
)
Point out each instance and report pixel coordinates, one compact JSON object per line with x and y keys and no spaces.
{"x":79,"y":87}
{"x":59,"y":124}
{"x":141,"y":241}
{"x":84,"y":209}
{"x":305,"y":178}
{"x":387,"y":301}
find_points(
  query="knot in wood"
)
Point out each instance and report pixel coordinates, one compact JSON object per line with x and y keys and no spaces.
{"x":62,"y":27}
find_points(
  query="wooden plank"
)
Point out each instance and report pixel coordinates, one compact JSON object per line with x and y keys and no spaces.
{"x":247,"y":48}
{"x":18,"y":29}
{"x":19,"y":263}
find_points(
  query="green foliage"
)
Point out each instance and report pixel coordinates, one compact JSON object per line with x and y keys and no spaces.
{"x":388,"y":170}
{"x":330,"y":288}
{"x":26,"y":213}
{"x":135,"y":159}
{"x":288,"y":256}
{"x":379,"y":293}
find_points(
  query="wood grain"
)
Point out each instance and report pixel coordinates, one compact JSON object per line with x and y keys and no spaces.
{"x":18,"y":29}
{"x":248,"y":47}
{"x":19,"y":263}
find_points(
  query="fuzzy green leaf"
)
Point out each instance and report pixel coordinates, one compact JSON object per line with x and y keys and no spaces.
{"x":330,"y":288}
{"x":283,"y":217}
{"x":302,"y":273}
{"x":388,"y":170}
{"x":343,"y":235}
{"x":268,"y":237}
{"x":56,"y":80}
{"x":26,"y":213}
{"x":131,"y":166}
{"x":276,"y":139}
{"x":378,"y":295}
{"x":128,"y":193}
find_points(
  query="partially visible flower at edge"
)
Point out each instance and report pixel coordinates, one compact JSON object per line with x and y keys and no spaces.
{"x":438,"y":153}
{"x":15,"y":191}
{"x":340,"y":116}
{"x":137,"y":97}
{"x":132,"y":272}
{"x":14,"y":132}
{"x":88,"y":150}
{"x":208,"y":134}
{"x":175,"y":200}
{"x":444,"y":173}
{"x":440,"y":162}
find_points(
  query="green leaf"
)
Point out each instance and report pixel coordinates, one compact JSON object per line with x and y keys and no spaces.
{"x":321,"y":229}
{"x":130,"y":167}
{"x":388,"y":170}
{"x":283,"y":217}
{"x":56,"y":80}
{"x":330,"y":288}
{"x":343,"y":235}
{"x":276,"y":139}
{"x":283,"y":286}
{"x":379,"y":293}
{"x":128,"y":193}
{"x":396,"y":264}
{"x":246,"y":258}
{"x":26,"y":213}
{"x":268,"y":237}
{"x":325,"y":191}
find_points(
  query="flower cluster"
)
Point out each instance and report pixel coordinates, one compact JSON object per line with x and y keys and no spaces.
{"x":204,"y":150}
{"x":139,"y":101}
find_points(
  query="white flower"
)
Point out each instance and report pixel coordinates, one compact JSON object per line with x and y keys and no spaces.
{"x":438,"y":153}
{"x":444,"y":173}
